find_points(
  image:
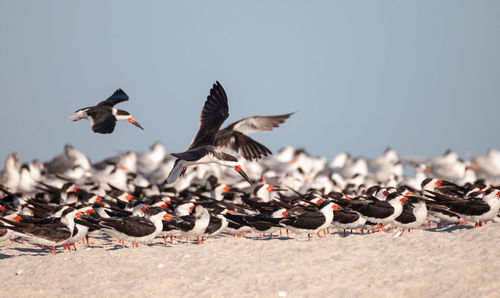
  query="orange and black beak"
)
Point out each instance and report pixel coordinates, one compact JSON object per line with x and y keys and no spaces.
{"x":132,"y":120}
{"x":243,"y":174}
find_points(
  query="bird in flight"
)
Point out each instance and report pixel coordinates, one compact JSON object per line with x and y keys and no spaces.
{"x":103,"y":116}
{"x":234,"y":136}
{"x":203,"y":148}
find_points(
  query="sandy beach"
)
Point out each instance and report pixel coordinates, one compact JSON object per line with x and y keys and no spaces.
{"x":448,"y":262}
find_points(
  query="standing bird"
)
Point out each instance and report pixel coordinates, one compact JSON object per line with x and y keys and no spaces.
{"x":203,"y":148}
{"x":103,"y":116}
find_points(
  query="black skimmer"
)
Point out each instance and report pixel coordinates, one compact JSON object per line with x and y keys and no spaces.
{"x":203,"y":148}
{"x":488,"y":166}
{"x":262,"y":223}
{"x":51,"y":234}
{"x":234,"y":136}
{"x":68,"y":161}
{"x":11,"y":175}
{"x":414,"y":214}
{"x":194,"y":224}
{"x":477,"y":210}
{"x":103,"y":116}
{"x":137,"y":229}
{"x":218,"y":222}
{"x":311,"y":222}
{"x":347,"y":219}
{"x":375,"y":211}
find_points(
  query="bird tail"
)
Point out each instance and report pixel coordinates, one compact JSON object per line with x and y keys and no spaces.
{"x":175,"y":172}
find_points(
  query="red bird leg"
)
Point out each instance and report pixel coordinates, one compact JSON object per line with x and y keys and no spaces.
{"x":183,"y":171}
{"x":74,"y":246}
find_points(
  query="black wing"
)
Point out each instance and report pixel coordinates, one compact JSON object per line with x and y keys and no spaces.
{"x":191,"y":155}
{"x":104,"y":121}
{"x":214,"y":113}
{"x":114,"y":99}
{"x":239,"y":219}
{"x":375,"y":209}
{"x":186,"y":222}
{"x":345,"y":217}
{"x":406,"y":215}
{"x":213,"y":225}
{"x":239,"y":142}
{"x":307,"y":221}
{"x":470,"y":208}
{"x":53,"y":232}
{"x":132,"y":226}
{"x":261,"y":223}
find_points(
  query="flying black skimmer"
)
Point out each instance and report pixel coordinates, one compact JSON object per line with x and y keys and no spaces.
{"x":311,"y":222}
{"x":103,"y":116}
{"x":203,"y":148}
{"x":235,"y":136}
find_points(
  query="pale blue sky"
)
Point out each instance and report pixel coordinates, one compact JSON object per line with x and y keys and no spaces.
{"x":361,"y":75}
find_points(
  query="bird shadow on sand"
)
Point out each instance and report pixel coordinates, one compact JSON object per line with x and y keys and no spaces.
{"x":117,"y":246}
{"x":2,"y":256}
{"x":268,"y":238}
{"x":450,"y":229}
{"x":31,"y":251}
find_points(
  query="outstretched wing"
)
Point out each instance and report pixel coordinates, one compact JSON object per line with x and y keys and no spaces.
{"x":175,"y":172}
{"x":244,"y":145}
{"x":214,"y":113}
{"x":115,"y":98}
{"x":258,"y":123}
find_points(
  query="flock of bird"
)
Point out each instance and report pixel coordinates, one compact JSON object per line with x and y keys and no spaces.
{"x":205,"y":191}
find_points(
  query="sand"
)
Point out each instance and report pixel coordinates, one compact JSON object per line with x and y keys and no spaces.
{"x":450,"y":262}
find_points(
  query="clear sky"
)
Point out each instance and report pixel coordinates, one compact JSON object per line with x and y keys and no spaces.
{"x":420,"y":76}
